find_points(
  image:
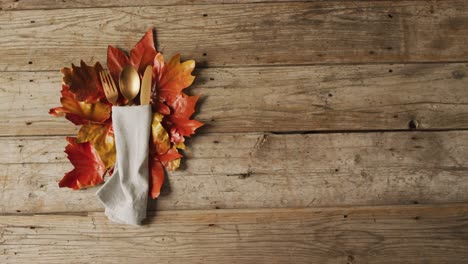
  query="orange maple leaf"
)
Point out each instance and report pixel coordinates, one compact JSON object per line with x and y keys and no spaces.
{"x":169,"y":79}
{"x":173,"y":121}
{"x":80,"y":112}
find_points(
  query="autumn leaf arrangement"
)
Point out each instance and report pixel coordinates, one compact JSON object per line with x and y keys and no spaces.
{"x":92,"y":152}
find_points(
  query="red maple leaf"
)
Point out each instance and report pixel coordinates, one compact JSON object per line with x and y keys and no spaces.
{"x":157,"y":177}
{"x":157,"y":171}
{"x":141,"y":55}
{"x":178,"y":122}
{"x":89,"y":167}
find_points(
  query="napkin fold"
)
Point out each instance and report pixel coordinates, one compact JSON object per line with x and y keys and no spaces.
{"x":125,"y":194}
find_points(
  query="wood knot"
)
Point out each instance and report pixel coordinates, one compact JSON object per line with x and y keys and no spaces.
{"x":413,"y":124}
{"x":260,"y":141}
{"x":458,"y":75}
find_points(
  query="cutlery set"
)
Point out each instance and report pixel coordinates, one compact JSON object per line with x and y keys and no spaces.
{"x":129,"y":83}
{"x":124,"y":195}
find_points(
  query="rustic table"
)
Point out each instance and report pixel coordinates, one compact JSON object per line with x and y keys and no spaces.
{"x":336,"y":132}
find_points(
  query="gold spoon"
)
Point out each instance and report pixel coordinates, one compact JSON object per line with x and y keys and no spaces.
{"x":129,"y":83}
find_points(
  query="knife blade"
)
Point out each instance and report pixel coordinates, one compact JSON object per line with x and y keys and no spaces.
{"x":145,"y":92}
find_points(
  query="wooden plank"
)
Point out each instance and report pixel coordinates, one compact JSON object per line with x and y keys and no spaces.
{"x":243,"y":34}
{"x":54,"y":4}
{"x":260,"y":170}
{"x":389,"y":234}
{"x":368,"y":97}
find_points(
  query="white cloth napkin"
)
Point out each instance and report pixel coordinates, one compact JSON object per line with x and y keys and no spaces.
{"x":125,"y":194}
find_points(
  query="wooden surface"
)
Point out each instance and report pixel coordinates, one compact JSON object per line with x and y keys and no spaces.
{"x":259,"y":99}
{"x":336,"y":132}
{"x":261,"y":170}
{"x":274,"y":33}
{"x":387,"y":234}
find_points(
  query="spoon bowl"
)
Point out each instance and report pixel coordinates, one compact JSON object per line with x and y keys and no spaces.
{"x":129,"y":83}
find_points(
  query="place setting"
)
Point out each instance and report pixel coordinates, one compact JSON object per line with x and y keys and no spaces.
{"x":134,"y":119}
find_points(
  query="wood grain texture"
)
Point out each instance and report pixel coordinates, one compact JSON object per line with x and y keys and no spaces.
{"x":260,"y":170}
{"x":68,"y":4}
{"x":242,"y":34}
{"x":263,"y":68}
{"x":257,"y":99}
{"x":389,"y":234}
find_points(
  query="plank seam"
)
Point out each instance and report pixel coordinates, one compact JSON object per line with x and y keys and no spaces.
{"x":169,"y":5}
{"x":262,"y":209}
{"x":295,"y":132}
{"x":286,"y":65}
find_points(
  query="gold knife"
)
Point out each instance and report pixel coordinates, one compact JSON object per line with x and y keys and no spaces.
{"x":145,"y":92}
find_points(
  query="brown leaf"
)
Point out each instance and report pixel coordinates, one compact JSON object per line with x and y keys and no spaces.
{"x":84,"y":82}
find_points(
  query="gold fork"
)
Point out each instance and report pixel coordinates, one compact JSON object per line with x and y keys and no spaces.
{"x":110,"y":89}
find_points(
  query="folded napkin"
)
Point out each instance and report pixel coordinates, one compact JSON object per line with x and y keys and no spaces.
{"x":125,"y":194}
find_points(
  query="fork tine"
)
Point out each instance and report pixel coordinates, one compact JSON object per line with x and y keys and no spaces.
{"x":106,"y":77}
{"x":103,"y":82}
{"x":111,"y":81}
{"x":105,"y":85}
{"x":109,"y":87}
